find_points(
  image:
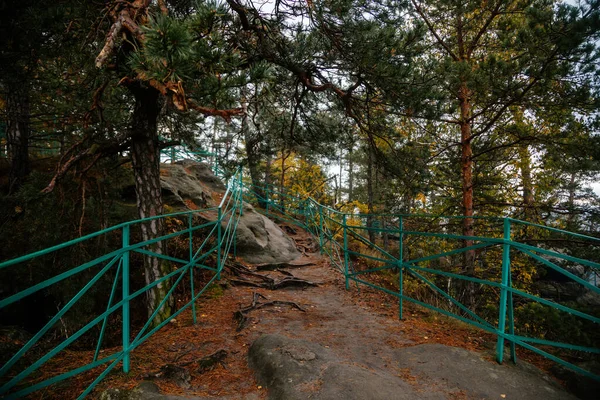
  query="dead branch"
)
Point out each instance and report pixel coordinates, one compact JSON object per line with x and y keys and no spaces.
{"x":97,"y":152}
{"x":123,"y":20}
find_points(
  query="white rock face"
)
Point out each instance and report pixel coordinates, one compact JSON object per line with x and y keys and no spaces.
{"x":191,"y":185}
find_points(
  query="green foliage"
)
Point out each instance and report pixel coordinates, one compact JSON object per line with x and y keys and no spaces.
{"x":537,"y":320}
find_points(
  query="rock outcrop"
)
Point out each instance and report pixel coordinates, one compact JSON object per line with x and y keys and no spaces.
{"x":149,"y":391}
{"x":189,"y":185}
{"x":298,"y":369}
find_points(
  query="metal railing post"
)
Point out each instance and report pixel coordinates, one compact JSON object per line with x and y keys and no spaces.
{"x":192,"y":265}
{"x":511,"y":316}
{"x":503,"y":291}
{"x":321,"y":241}
{"x":346,"y":260}
{"x":400,"y":266}
{"x":219,"y":235}
{"x":267,"y":200}
{"x":125,"y":292}
{"x":511,"y":321}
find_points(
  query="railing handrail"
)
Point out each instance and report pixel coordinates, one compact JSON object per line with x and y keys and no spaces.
{"x":229,"y":212}
{"x":319,"y":223}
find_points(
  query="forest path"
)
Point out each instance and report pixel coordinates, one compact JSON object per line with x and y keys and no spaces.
{"x":380,"y":357}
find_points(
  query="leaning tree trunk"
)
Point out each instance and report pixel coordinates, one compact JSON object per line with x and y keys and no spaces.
{"x":145,"y":157}
{"x":17,"y":132}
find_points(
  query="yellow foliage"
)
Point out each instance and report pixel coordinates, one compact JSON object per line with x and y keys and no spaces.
{"x":300,"y":177}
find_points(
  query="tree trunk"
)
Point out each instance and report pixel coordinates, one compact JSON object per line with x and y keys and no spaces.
{"x":571,"y":220}
{"x":269,"y":164}
{"x":526,"y":181}
{"x":385,"y":236}
{"x":350,"y":175}
{"x":464,"y":97}
{"x":145,"y":157}
{"x":338,"y":192}
{"x":284,"y":157}
{"x":252,"y":142}
{"x":370,"y":194}
{"x":467,"y":176}
{"x":17,"y":132}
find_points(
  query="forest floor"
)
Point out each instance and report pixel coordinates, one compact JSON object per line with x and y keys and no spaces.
{"x":363,"y":329}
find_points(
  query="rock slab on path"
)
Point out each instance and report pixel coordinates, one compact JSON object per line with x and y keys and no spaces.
{"x":149,"y":391}
{"x":296,"y":369}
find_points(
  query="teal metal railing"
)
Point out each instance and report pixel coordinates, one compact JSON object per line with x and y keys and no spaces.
{"x":358,"y":246}
{"x":180,"y":152}
{"x":425,"y":243}
{"x":18,"y":374}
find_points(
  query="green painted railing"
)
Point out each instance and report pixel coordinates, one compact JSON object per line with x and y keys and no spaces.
{"x":425,"y":241}
{"x":179,"y":153}
{"x":18,"y":376}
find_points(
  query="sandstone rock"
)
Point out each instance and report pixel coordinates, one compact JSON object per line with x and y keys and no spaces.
{"x":147,"y":390}
{"x":466,"y":370}
{"x":189,"y":185}
{"x":261,"y":241}
{"x":182,"y":189}
{"x":297,"y":369}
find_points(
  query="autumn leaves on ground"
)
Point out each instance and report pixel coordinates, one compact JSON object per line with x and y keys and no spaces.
{"x":210,"y":358}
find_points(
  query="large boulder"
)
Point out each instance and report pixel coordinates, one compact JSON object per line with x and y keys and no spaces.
{"x":189,"y":185}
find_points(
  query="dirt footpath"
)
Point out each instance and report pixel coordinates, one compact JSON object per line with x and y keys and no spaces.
{"x":316,"y":342}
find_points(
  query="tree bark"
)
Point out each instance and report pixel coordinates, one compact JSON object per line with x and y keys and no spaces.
{"x":252,"y":143}
{"x":350,"y":175}
{"x":145,"y":157}
{"x":571,"y":220}
{"x":467,"y":175}
{"x":17,"y":132}
{"x":526,"y":181}
{"x":370,"y":193}
{"x":464,"y":97}
{"x":338,"y":190}
{"x":269,"y":164}
{"x":284,"y":157}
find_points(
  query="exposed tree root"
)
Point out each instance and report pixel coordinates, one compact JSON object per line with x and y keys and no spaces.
{"x":241,"y":316}
{"x":306,"y":245}
{"x":246,"y":277}
{"x":288,"y":229}
{"x":277,"y":266}
{"x":208,"y":363}
{"x":179,"y":374}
